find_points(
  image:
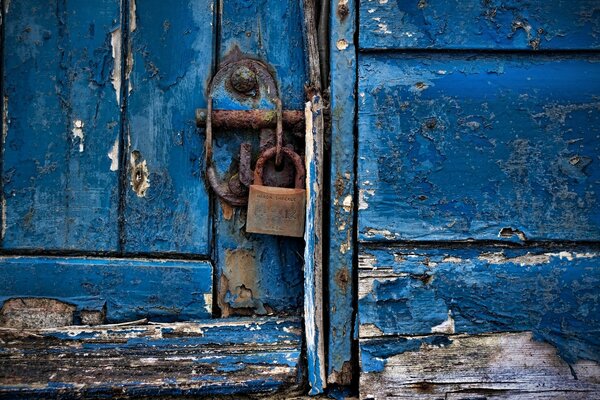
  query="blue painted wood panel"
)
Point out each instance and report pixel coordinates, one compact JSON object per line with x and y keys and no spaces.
{"x":160,"y":290}
{"x":172,"y":54}
{"x":207,"y":358}
{"x":489,"y":24}
{"x":60,"y":122}
{"x":258,"y":274}
{"x":455,"y":147}
{"x":552,"y":292}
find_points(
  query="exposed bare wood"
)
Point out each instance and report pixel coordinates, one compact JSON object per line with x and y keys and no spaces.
{"x":502,"y":365}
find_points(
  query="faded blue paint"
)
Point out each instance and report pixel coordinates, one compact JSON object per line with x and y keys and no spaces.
{"x":57,"y":184}
{"x":552,"y":292}
{"x":173,"y":50}
{"x":464,"y":146}
{"x":165,"y":290}
{"x":489,"y":24}
{"x":342,"y":182}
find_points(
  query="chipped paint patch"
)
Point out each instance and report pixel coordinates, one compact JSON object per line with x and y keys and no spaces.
{"x":532,"y":259}
{"x":115,"y":43}
{"x":113,"y":155}
{"x":208,"y":302}
{"x":366,"y":260}
{"x":78,"y":135}
{"x":370,"y":330}
{"x":347,"y":203}
{"x":381,"y":232}
{"x":510,"y":232}
{"x":139,"y":174}
{"x":445,"y":327}
{"x":451,"y":259}
{"x":342,"y":44}
{"x":132,"y":16}
{"x":36,"y":313}
{"x":363,"y":195}
{"x":527,"y":259}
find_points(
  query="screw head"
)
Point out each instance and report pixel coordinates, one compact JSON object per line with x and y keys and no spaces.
{"x":243,"y":79}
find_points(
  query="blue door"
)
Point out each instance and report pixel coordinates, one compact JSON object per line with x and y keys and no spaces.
{"x":477,"y":203}
{"x":109,"y":225}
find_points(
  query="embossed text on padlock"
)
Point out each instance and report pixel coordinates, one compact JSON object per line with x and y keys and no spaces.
{"x":274,"y":210}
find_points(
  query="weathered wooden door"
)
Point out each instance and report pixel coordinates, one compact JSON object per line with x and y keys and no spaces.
{"x":478,"y":192}
{"x":106,"y":215}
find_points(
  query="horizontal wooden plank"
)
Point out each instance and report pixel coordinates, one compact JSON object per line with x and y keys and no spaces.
{"x":417,"y":291}
{"x":490,"y":24}
{"x":128,"y":289}
{"x":457,"y":147}
{"x":60,"y":125}
{"x":204,"y":358}
{"x":492,"y":366}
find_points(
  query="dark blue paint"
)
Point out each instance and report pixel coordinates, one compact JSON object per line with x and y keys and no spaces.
{"x":59,"y":192}
{"x":551,"y":292}
{"x":462,"y":146}
{"x":489,"y":24}
{"x":172,"y":49}
{"x":130,"y":289}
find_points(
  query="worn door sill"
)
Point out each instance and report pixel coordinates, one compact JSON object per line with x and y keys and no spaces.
{"x":211,"y":357}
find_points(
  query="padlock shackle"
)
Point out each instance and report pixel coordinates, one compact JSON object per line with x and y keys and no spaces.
{"x":289,"y":153}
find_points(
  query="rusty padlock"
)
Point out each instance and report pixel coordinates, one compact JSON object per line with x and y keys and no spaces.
{"x":274,"y":210}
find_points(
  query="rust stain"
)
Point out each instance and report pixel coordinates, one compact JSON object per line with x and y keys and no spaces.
{"x":342,"y":279}
{"x":226,"y":209}
{"x":238,"y":293}
{"x":342,"y":10}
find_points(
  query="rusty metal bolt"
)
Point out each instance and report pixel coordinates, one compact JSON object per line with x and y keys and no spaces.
{"x":243,"y":79}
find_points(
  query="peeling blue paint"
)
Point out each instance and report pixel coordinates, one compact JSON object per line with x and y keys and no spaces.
{"x":456,"y":147}
{"x":489,"y":24}
{"x":551,"y":292}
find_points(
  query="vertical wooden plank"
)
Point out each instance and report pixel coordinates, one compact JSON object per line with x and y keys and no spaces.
{"x":313,"y":251}
{"x":61,"y":120}
{"x":313,"y":236}
{"x":172,"y":50}
{"x":258,"y":274}
{"x":341,"y":225}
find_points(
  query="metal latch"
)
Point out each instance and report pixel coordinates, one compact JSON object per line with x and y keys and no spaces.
{"x":248,"y":86}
